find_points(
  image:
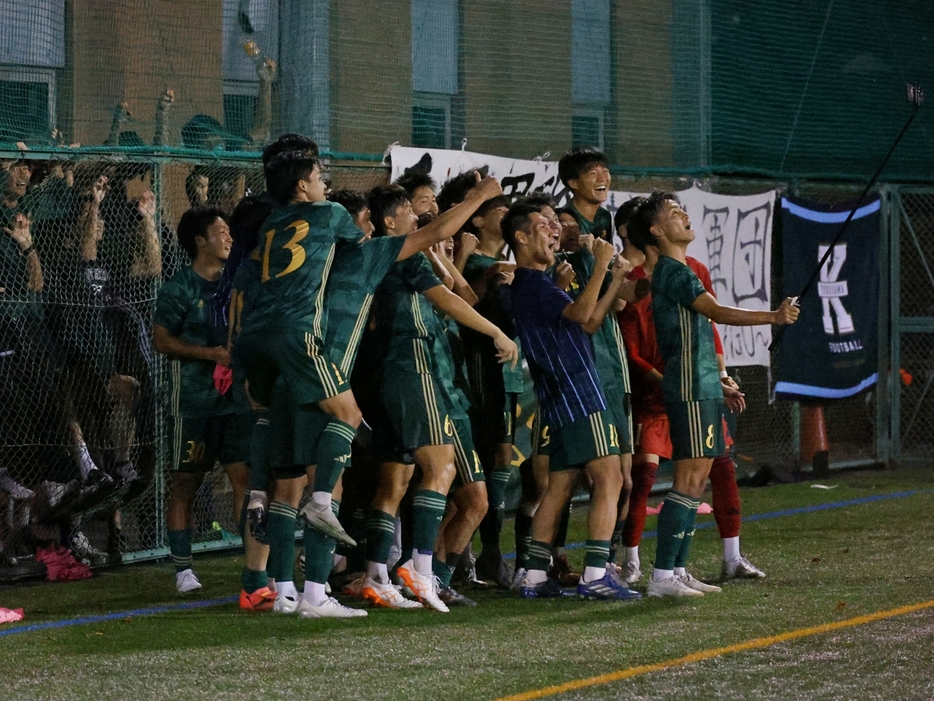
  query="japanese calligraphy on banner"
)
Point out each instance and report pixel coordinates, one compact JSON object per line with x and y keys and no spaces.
{"x":734,"y":233}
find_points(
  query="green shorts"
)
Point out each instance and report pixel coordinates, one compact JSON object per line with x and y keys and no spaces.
{"x":420,"y":410}
{"x":198,"y":442}
{"x":696,"y":429}
{"x":295,"y":355}
{"x":577,"y":443}
{"x":294,"y":433}
{"x":619,"y":411}
{"x":466,"y":459}
{"x":541,"y":437}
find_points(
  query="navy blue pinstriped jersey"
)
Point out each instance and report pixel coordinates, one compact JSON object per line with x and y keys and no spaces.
{"x":559,"y":353}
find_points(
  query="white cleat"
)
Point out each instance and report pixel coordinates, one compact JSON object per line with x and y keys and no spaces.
{"x":630,"y":573}
{"x":331,"y":608}
{"x":740,"y":568}
{"x":286,"y":604}
{"x":518,"y":579}
{"x":386,"y":595}
{"x":690,"y":581}
{"x":186,"y":581}
{"x":325,"y":521}
{"x":424,"y":588}
{"x":673,"y":586}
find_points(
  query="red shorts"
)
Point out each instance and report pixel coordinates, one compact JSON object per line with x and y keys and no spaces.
{"x":652,"y":436}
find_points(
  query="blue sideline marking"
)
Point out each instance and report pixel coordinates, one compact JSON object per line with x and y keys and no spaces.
{"x":168,"y":608}
{"x":785,"y":512}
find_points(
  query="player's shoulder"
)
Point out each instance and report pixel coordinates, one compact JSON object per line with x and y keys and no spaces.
{"x":696,"y":266}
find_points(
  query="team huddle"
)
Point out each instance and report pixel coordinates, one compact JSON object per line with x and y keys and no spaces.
{"x":354,"y":362}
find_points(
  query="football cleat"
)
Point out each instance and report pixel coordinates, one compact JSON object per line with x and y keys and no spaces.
{"x":517,"y":580}
{"x":608,"y":587}
{"x":549,"y":589}
{"x":740,"y":568}
{"x":256,"y":514}
{"x":561,"y":571}
{"x":186,"y":581}
{"x":354,"y":587}
{"x":672,"y":586}
{"x":452,"y":597}
{"x":260,"y":600}
{"x":285,"y":604}
{"x":630,"y":573}
{"x":690,"y":581}
{"x":386,"y":595}
{"x":325,"y":521}
{"x":493,"y":568}
{"x":331,"y":608}
{"x":425,"y":589}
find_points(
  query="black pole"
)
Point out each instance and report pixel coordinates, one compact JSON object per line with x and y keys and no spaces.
{"x":916,"y":96}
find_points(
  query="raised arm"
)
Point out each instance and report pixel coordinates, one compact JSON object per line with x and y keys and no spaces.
{"x":582,"y":308}
{"x":708,"y":305}
{"x":455,"y":307}
{"x":607,"y":302}
{"x":449,"y":223}
{"x":460,"y":287}
{"x":147,"y":253}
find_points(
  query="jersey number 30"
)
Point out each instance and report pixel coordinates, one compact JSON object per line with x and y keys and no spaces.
{"x":300,"y":228}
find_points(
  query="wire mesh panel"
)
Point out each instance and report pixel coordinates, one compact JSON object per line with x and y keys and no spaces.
{"x":916,"y":323}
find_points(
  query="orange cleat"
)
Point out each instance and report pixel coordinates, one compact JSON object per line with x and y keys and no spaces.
{"x":259,"y":600}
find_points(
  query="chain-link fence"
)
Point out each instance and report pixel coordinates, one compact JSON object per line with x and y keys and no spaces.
{"x":83,"y":426}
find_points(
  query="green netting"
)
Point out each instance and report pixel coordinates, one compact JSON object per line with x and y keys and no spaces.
{"x":789,"y":89}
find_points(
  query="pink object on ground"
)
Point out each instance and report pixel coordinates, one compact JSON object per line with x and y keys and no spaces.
{"x":61,"y":565}
{"x":653,"y":510}
{"x":10,"y":615}
{"x":704,"y":508}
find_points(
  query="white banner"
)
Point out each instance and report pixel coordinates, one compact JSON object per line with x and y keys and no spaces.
{"x":734,"y":234}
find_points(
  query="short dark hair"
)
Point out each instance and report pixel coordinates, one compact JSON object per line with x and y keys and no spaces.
{"x":384,"y":201}
{"x":540,"y":198}
{"x":196,"y":173}
{"x":413,"y":180}
{"x":455,"y":190}
{"x":353,"y":201}
{"x":643,"y":218}
{"x":196,"y":222}
{"x":285,"y":170}
{"x":576,"y":161}
{"x":289,"y":142}
{"x":248,"y":216}
{"x":517,"y":218}
{"x":621,"y":218}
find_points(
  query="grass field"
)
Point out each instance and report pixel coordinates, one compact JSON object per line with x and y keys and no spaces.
{"x":870,"y":550}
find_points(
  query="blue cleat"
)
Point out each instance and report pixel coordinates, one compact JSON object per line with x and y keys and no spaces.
{"x":549,"y":589}
{"x":609,"y":588}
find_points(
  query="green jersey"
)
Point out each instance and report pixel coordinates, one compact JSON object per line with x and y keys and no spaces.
{"x":601,"y":226}
{"x":296,"y":252}
{"x":406,"y":321}
{"x":357,"y":272}
{"x":183,"y":307}
{"x":608,"y":347}
{"x":685,"y":337}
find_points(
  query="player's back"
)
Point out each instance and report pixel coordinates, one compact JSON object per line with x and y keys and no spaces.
{"x":296,"y":251}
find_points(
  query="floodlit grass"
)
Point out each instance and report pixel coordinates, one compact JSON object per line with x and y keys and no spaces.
{"x":823,"y":566}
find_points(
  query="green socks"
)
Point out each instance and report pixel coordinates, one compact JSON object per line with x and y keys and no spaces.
{"x":333,"y":454}
{"x":427,"y":512}
{"x":180,"y":547}
{"x":676,"y":518}
{"x":280,"y":531}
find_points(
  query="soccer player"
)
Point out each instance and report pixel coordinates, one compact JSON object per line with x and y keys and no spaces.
{"x":682,"y":311}
{"x":583,"y":436}
{"x":420,"y":188}
{"x":585,"y":172}
{"x":418,"y":403}
{"x":654,"y":441}
{"x":206,"y":426}
{"x":494,"y":388}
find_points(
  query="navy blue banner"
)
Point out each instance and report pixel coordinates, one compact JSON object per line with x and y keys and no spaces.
{"x":831,"y":352}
